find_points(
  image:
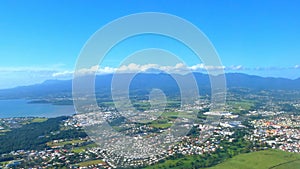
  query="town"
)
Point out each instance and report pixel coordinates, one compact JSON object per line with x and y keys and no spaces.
{"x":243,"y":126}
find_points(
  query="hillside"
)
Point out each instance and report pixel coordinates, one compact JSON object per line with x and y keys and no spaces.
{"x":269,"y":159}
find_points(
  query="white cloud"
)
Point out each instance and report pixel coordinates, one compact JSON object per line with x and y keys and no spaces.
{"x":131,"y":68}
{"x":106,"y":70}
{"x":203,"y":67}
{"x":87,"y":71}
{"x":274,"y":68}
{"x":179,"y":68}
{"x":238,"y":67}
{"x":63,"y":74}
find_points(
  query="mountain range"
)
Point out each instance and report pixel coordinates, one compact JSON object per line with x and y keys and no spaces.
{"x":150,"y":80}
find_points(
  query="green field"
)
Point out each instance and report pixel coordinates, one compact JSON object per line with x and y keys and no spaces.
{"x":237,"y":106}
{"x":166,"y":119}
{"x":179,"y":114}
{"x":35,"y":120}
{"x":52,"y":144}
{"x":161,"y":125}
{"x":38,"y":120}
{"x":262,"y":160}
{"x":292,"y":164}
{"x":256,"y":160}
{"x":179,"y":163}
{"x":83,"y":148}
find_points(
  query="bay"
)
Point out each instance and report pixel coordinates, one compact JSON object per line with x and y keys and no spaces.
{"x":21,"y":108}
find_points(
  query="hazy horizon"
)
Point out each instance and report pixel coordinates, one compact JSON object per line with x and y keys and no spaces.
{"x":70,"y":78}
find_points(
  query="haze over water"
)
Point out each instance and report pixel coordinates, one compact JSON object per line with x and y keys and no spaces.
{"x":21,"y":108}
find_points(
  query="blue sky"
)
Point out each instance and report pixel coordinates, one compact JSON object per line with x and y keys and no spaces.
{"x":41,"y":38}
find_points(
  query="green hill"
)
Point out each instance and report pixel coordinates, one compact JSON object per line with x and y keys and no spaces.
{"x":268,"y":159}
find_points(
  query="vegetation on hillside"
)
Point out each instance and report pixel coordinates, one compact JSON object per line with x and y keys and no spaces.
{"x":34,"y":136}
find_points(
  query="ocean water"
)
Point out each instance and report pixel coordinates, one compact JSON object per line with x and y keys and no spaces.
{"x":21,"y":108}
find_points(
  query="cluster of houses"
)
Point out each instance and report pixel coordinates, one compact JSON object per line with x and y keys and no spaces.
{"x":52,"y":158}
{"x":281,"y":132}
{"x":16,"y":122}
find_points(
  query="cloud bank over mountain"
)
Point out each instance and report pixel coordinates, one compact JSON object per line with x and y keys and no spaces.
{"x":20,"y":76}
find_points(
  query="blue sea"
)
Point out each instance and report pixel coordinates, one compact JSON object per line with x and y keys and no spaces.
{"x":21,"y":108}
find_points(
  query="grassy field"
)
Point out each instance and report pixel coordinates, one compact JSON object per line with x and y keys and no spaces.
{"x":167,"y":117}
{"x":237,"y":106}
{"x":288,"y":165}
{"x":83,"y":148}
{"x":175,"y":164}
{"x":256,"y":160}
{"x":178,"y":114}
{"x":262,"y":160}
{"x":51,"y":144}
{"x":161,"y":125}
{"x":38,"y":120}
{"x":35,"y":120}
